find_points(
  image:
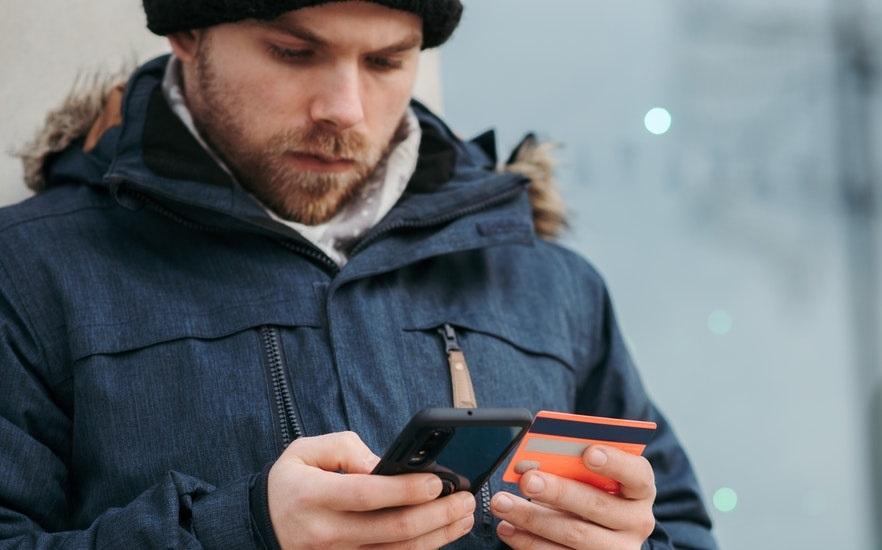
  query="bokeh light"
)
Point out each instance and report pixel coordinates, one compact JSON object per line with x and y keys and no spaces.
{"x":657,"y":120}
{"x":725,"y":499}
{"x":720,"y":322}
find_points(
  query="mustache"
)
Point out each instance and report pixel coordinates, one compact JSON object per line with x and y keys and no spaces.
{"x":322,"y":142}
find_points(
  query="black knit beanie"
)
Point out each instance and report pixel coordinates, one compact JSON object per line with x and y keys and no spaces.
{"x":440,"y":17}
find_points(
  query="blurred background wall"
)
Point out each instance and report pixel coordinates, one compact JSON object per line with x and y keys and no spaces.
{"x":719,"y":159}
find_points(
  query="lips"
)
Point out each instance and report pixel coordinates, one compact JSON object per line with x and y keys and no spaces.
{"x":320,"y":163}
{"x":324,"y":158}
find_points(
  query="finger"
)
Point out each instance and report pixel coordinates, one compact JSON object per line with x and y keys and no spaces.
{"x":545,"y":504}
{"x":633,"y":472}
{"x":435,"y":539}
{"x":548,"y":524}
{"x":410,"y":522}
{"x":525,"y":466}
{"x":518,"y":538}
{"x":365,"y":492}
{"x":334,"y":452}
{"x":580,"y":499}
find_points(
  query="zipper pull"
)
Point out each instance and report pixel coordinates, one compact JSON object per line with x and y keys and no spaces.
{"x":460,"y":380}
{"x":450,"y":341}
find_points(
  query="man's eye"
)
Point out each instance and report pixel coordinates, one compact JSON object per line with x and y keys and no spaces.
{"x":287,"y":54}
{"x":384,"y":63}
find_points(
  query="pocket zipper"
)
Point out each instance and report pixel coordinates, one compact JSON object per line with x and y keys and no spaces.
{"x":464,"y":397}
{"x":289,"y":424}
{"x":460,"y":379}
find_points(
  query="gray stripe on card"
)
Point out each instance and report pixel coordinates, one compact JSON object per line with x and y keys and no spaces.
{"x":556,"y":447}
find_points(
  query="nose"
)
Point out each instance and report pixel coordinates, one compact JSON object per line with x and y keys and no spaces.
{"x":338,"y":102}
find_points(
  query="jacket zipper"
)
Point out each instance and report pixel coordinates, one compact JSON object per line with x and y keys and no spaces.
{"x":486,"y":517}
{"x":464,"y":397}
{"x":289,"y":424}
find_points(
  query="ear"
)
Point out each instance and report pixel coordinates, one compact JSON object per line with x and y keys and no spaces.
{"x":185,"y":44}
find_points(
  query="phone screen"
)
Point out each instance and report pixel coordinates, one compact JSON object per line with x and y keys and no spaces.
{"x":472,"y":451}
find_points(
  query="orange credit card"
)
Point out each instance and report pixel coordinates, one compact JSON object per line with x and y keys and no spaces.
{"x":557,"y":440}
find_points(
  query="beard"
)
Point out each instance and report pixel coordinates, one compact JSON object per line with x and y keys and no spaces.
{"x":307,"y":197}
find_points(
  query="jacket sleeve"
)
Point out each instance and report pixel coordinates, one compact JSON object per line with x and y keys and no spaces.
{"x":613,"y":388}
{"x":37,"y":488}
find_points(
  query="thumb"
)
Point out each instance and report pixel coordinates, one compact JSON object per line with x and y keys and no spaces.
{"x":335,"y":452}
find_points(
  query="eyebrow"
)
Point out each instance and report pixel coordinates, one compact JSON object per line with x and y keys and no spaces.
{"x":413,"y":41}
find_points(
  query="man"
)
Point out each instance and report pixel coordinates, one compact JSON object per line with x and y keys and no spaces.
{"x":226,"y":298}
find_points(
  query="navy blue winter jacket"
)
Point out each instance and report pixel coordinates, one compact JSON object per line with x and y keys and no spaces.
{"x":162,"y":339}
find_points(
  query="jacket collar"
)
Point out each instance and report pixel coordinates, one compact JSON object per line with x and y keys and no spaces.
{"x":153,"y":154}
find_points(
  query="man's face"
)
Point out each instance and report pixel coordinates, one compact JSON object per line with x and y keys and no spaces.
{"x":303,"y":108}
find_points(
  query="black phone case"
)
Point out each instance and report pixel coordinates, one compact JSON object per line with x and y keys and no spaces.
{"x":394,"y":460}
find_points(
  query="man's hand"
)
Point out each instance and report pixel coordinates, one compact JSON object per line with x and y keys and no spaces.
{"x":313,"y":506}
{"x":564,"y":513}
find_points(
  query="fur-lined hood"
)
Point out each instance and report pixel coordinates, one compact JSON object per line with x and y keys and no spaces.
{"x":84,"y":113}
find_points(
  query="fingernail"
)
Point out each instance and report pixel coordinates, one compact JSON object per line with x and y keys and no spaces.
{"x":525,"y":466}
{"x":596,"y":457}
{"x":506,"y":529}
{"x":465,"y":524}
{"x":535,"y":484}
{"x":502,"y":503}
{"x":468,"y":503}
{"x":433,"y":486}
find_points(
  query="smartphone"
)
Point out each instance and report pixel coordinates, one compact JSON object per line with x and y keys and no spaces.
{"x":461,"y":446}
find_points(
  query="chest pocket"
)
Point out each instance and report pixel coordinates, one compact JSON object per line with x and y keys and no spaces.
{"x":512,"y":363}
{"x":189,"y":391}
